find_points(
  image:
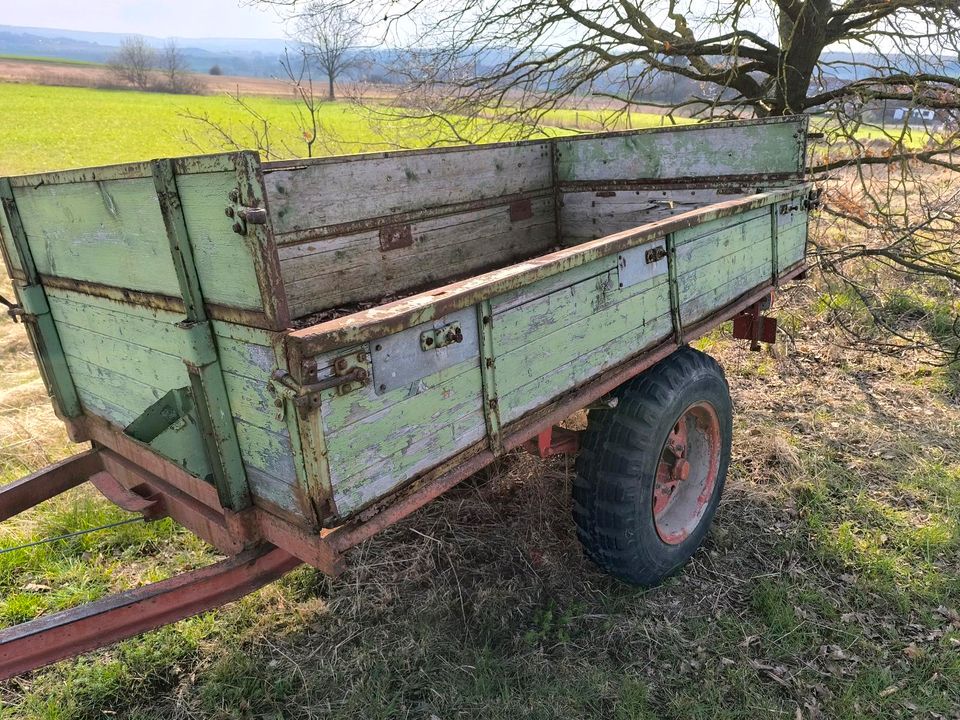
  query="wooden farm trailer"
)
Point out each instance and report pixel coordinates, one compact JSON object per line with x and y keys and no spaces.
{"x":287,"y":357}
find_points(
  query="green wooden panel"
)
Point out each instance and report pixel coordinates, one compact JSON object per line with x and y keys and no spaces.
{"x":405,"y":435}
{"x":269,"y":452}
{"x":108,"y":232}
{"x":713,"y":299}
{"x":121,"y":374}
{"x":584,"y":367}
{"x":122,"y":398}
{"x":693,"y":283}
{"x":792,"y":244}
{"x":531,"y":374}
{"x":224,"y":259}
{"x":697,"y":152}
{"x":405,"y":455}
{"x":8,"y":252}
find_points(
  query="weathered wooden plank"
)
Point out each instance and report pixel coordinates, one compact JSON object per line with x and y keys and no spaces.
{"x":149,"y":327}
{"x":269,"y":452}
{"x":791,"y":244}
{"x":541,"y":317}
{"x":124,"y":398}
{"x":224,"y":259}
{"x":9,"y":253}
{"x":694,"y":259}
{"x":698,"y":152}
{"x":331,"y":193}
{"x":588,"y":215}
{"x":339,"y":270}
{"x":245,"y":359}
{"x":417,"y":453}
{"x":577,"y":370}
{"x":158,"y":369}
{"x":530,"y":374}
{"x":549,"y":285}
{"x":378,"y":450}
{"x":109,"y":232}
{"x":709,"y":301}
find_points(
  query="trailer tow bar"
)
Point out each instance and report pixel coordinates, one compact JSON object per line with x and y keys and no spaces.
{"x":53,"y":637}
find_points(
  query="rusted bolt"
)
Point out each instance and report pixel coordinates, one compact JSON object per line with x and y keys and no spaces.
{"x":428,"y":341}
{"x":486,"y":319}
{"x":234,"y":195}
{"x":383,"y":388}
{"x":229,"y":212}
{"x":340,"y":365}
{"x":238,"y":228}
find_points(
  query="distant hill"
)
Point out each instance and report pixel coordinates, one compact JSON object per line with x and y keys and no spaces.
{"x":236,"y":56}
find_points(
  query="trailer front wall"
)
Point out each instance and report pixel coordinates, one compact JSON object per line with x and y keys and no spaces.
{"x":357,"y":228}
{"x":102,"y":250}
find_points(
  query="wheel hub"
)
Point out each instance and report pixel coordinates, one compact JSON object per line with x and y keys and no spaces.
{"x":686,"y":473}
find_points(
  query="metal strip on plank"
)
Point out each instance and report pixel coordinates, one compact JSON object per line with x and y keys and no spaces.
{"x":206,"y":376}
{"x":674,"y":288}
{"x":488,"y":376}
{"x":266,"y":259}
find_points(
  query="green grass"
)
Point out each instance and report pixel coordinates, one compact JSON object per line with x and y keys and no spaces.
{"x":53,"y":128}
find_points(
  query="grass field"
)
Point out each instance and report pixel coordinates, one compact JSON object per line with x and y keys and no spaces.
{"x":44,"y":127}
{"x":828,"y":588}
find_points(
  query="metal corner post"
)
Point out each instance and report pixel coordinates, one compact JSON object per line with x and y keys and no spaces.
{"x":203,"y":365}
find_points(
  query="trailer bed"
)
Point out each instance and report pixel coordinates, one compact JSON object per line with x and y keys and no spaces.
{"x":216,"y":324}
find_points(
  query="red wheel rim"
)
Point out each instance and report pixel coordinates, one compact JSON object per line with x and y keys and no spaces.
{"x":687,"y":473}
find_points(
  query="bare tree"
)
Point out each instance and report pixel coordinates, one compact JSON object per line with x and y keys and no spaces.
{"x":134,"y":61}
{"x":329,"y":33}
{"x":260,"y":132}
{"x":175,"y":71}
{"x":845,"y":62}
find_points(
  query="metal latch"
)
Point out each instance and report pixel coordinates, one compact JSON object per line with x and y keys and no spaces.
{"x":307,"y":396}
{"x":813,"y":201}
{"x":244,"y":215}
{"x":441,"y":337}
{"x":15,"y":310}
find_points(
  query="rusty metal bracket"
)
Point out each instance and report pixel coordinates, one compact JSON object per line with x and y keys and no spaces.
{"x":103,"y":622}
{"x":346,"y":378}
{"x":555,"y":440}
{"x":394,"y":237}
{"x":751,"y":325}
{"x":16,"y":312}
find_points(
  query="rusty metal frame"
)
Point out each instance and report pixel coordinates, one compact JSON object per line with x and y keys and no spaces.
{"x":49,"y":482}
{"x":53,"y":637}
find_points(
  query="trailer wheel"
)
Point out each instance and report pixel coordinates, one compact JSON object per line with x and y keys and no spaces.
{"x":651,"y":470}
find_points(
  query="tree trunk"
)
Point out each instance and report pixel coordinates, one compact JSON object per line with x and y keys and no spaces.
{"x":330,"y":94}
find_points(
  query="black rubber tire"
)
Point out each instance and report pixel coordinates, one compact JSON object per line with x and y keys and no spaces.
{"x":617,"y":464}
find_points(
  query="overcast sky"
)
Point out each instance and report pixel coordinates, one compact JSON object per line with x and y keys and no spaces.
{"x":161,"y":18}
